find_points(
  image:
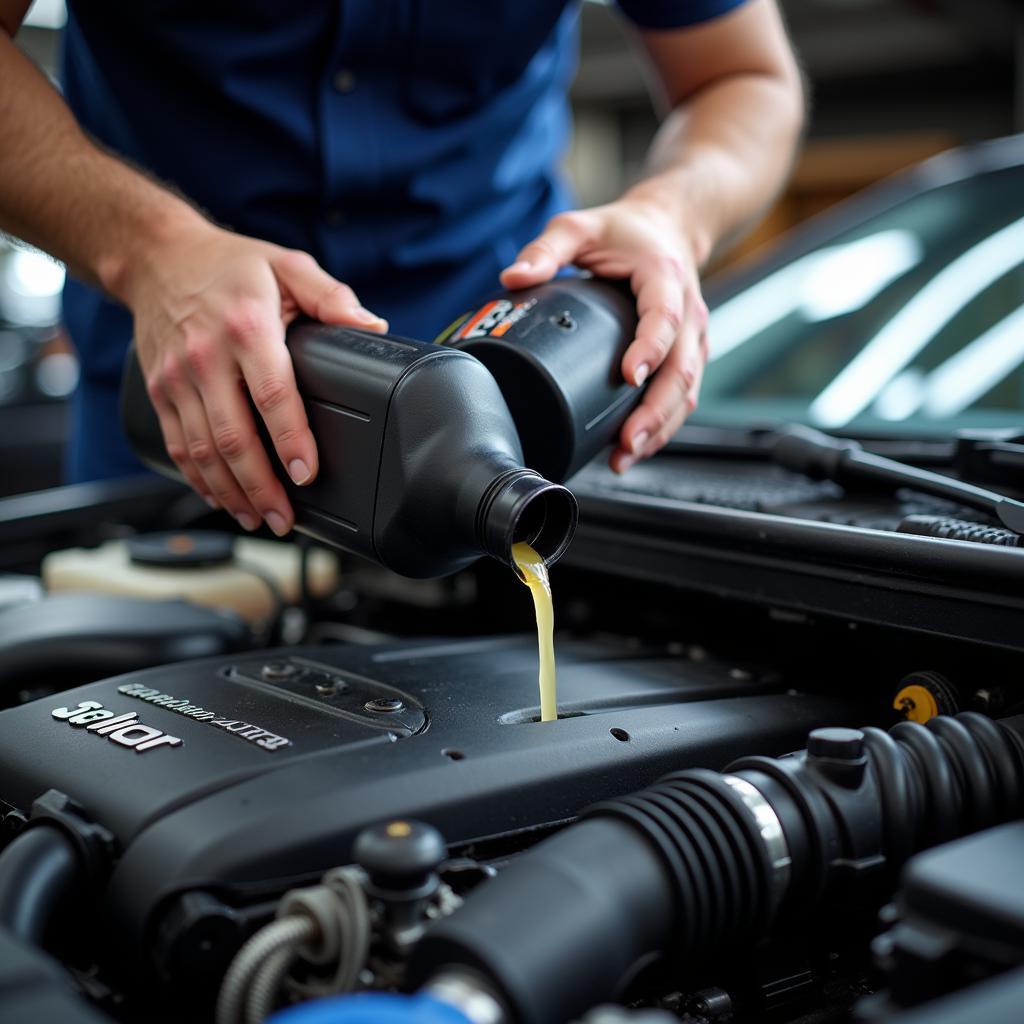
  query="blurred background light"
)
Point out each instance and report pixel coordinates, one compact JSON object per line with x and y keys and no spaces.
{"x":844,"y":278}
{"x":975,"y":369}
{"x":822,"y":285}
{"x":34,"y":275}
{"x":30,"y":288}
{"x":47,"y":14}
{"x":903,"y":337}
{"x":57,"y":374}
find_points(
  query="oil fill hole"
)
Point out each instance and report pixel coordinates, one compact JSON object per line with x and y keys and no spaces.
{"x":620,"y":734}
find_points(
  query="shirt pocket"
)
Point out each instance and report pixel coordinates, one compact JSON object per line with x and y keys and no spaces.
{"x":462,"y":55}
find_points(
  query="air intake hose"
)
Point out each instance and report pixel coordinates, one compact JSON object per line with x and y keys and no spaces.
{"x":38,"y":872}
{"x":702,"y":859}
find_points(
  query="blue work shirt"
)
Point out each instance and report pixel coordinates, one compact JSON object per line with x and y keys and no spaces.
{"x":411,"y":146}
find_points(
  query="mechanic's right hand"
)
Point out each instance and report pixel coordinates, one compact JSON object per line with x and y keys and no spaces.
{"x":210,"y":311}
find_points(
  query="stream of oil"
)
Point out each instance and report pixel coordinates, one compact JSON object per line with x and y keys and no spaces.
{"x":534,"y":573}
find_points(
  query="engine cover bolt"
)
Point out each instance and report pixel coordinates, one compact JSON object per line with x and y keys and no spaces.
{"x":275,"y":670}
{"x":384,"y":705}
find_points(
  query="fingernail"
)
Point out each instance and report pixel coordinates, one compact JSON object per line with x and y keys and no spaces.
{"x":211,"y":501}
{"x":641,"y":373}
{"x":276,"y":522}
{"x":519,"y":267}
{"x":624,"y":463}
{"x":246,"y":521}
{"x":298,"y":471}
{"x":638,"y":442}
{"x":365,"y":316}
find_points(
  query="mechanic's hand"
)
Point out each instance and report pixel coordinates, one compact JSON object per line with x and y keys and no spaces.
{"x":210,"y":312}
{"x":634,"y":239}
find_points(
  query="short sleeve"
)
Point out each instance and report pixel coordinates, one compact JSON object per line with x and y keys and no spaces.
{"x":674,"y":13}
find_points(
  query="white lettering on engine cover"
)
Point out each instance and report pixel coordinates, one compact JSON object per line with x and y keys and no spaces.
{"x":258,"y":736}
{"x":125,"y":729}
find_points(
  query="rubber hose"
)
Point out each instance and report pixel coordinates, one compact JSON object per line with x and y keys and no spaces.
{"x":958,"y":529}
{"x":38,"y":872}
{"x":683,"y":867}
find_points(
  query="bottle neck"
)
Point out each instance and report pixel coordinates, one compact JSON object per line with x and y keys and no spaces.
{"x":518,"y":506}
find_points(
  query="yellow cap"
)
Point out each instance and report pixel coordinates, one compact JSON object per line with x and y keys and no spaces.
{"x":917,"y":703}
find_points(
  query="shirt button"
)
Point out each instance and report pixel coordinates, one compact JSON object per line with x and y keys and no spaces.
{"x":345,"y":80}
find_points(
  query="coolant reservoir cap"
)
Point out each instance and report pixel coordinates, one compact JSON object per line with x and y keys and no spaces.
{"x":400,"y":855}
{"x":185,"y":549}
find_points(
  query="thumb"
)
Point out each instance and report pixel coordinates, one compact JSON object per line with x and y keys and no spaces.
{"x":319,"y":295}
{"x":559,"y":244}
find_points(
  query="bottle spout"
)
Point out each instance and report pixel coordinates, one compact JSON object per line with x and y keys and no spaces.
{"x":521,"y":506}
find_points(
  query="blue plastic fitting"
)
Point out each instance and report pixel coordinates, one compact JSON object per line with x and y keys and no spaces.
{"x":372,"y":1008}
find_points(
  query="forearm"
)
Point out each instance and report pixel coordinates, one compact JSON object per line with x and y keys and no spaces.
{"x":721,"y":157}
{"x":62,"y":193}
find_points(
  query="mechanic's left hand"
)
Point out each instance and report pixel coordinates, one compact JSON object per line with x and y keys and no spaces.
{"x":634,"y":239}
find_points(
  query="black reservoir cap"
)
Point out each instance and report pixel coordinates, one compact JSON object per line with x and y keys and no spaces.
{"x":400,"y":856}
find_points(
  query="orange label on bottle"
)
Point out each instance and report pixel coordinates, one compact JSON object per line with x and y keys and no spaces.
{"x":492,"y":320}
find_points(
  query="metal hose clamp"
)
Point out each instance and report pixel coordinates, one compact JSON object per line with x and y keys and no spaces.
{"x":463,"y":991}
{"x":770,"y":827}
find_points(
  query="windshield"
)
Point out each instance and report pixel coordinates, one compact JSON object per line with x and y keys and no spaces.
{"x":910,"y":322}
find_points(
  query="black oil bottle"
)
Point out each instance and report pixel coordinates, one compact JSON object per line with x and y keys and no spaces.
{"x":421,"y":465}
{"x":556,"y":352}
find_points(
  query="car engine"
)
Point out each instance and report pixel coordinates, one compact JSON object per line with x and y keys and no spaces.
{"x":337,"y":802}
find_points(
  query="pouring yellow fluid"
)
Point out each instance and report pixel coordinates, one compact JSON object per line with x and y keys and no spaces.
{"x":534,"y":573}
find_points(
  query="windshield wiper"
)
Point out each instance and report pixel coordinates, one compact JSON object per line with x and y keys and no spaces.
{"x":845,"y":462}
{"x":758,"y":441}
{"x":983,"y":456}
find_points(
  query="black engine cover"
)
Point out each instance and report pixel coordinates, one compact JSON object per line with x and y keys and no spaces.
{"x":242,"y":776}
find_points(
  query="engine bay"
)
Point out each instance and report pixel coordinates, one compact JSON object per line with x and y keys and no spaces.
{"x":238,"y":782}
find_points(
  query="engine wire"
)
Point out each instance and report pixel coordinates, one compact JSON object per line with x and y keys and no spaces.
{"x":325,"y":924}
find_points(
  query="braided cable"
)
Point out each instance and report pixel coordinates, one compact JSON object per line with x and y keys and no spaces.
{"x":352,"y":917}
{"x":283,"y":934}
{"x":265,"y":985}
{"x":328,"y":924}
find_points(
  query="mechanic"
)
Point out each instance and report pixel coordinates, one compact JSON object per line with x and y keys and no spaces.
{"x":215,"y":169}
